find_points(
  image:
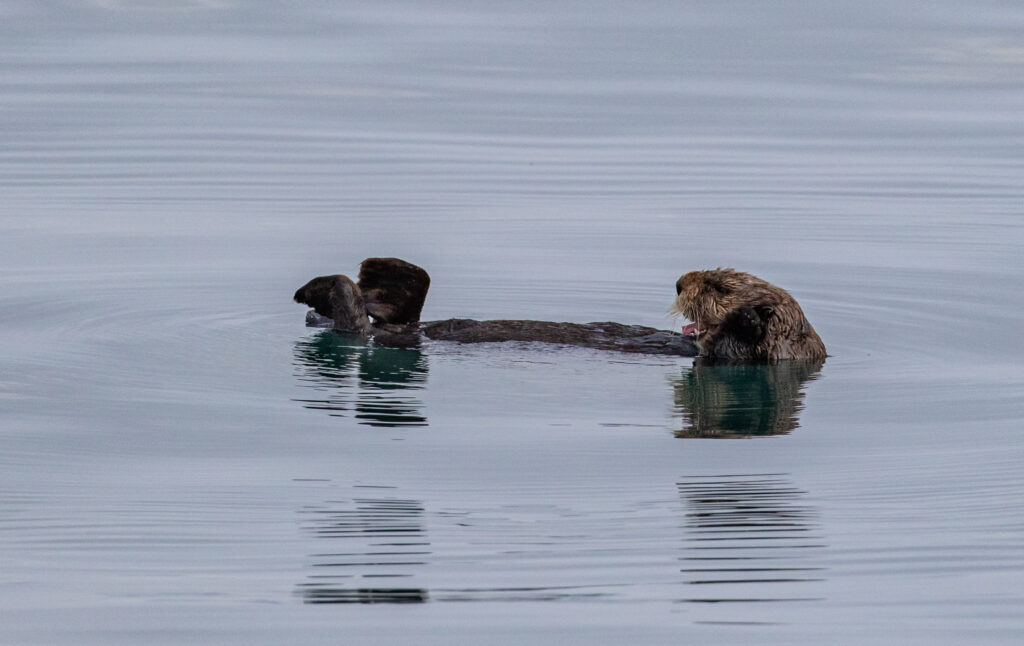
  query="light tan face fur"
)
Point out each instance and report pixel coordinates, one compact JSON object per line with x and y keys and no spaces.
{"x":706,"y":297}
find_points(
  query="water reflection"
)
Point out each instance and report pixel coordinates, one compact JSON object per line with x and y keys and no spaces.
{"x":750,"y":538}
{"x":729,"y":400}
{"x":370,"y":383}
{"x":372,"y":540}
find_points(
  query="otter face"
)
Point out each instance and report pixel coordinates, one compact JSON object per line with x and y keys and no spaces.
{"x":707,"y":298}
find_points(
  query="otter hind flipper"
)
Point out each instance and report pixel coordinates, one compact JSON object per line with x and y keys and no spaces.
{"x":394,"y":290}
{"x":337,"y":298}
{"x":317,"y":294}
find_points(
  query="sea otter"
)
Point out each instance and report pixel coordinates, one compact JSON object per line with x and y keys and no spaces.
{"x":739,"y":317}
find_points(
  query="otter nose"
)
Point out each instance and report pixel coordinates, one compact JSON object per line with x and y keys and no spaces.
{"x":679,"y":287}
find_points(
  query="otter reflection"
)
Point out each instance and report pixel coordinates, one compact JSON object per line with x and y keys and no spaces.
{"x":750,"y":538}
{"x":372,"y":541}
{"x":742,"y":400}
{"x":370,"y":383}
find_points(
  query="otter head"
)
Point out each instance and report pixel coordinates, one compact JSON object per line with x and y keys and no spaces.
{"x":708,"y":297}
{"x":738,"y":316}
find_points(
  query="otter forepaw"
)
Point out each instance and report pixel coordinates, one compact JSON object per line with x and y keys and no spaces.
{"x":745,"y":324}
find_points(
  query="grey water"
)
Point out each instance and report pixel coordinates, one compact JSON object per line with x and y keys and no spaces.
{"x":182,"y":460}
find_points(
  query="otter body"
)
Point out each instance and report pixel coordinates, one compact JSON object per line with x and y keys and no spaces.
{"x":740,"y":317}
{"x":636,"y":339}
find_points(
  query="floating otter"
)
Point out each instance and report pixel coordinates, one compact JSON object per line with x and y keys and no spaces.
{"x":739,"y":317}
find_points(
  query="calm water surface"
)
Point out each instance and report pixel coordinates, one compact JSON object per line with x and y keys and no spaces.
{"x":183,"y":461}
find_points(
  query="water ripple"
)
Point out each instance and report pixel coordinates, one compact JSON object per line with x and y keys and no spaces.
{"x":750,"y":539}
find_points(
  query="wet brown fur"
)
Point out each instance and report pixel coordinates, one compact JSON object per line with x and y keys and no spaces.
{"x":742,"y":317}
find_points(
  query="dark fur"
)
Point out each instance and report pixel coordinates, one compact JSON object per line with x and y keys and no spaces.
{"x":603,"y":336}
